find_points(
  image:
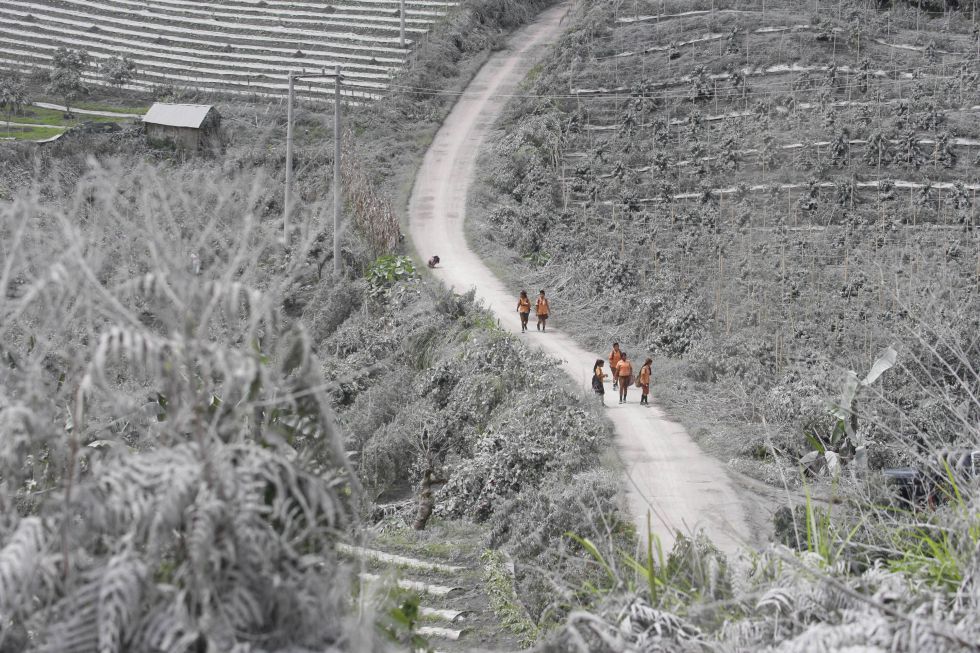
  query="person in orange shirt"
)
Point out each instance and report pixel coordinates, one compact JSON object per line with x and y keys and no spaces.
{"x":543,"y":311}
{"x":624,"y":370}
{"x":598,"y":376}
{"x":524,"y":309}
{"x":614,"y":358}
{"x":643,"y":380}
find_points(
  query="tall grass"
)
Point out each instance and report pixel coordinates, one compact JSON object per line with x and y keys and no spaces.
{"x":867,"y":570}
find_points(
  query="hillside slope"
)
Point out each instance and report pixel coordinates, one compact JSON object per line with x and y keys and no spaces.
{"x":673,"y":486}
{"x":233,"y":46}
{"x":773,"y":194}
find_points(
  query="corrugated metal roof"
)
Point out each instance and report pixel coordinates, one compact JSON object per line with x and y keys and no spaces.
{"x":177,"y":115}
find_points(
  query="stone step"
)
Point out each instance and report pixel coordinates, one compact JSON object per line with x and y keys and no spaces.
{"x":441,"y":633}
{"x":402,"y":561}
{"x":440,"y":613}
{"x":415,"y":586}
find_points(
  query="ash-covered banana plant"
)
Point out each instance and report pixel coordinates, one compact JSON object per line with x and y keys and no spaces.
{"x":845,"y":439}
{"x":172,"y":479}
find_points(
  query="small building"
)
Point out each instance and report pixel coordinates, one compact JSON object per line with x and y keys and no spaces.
{"x":189,"y":126}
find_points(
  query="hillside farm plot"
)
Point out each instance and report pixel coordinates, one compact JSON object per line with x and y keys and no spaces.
{"x":774,"y":194}
{"x":237,"y":46}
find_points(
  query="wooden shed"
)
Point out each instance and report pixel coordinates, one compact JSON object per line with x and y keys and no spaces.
{"x":189,"y":126}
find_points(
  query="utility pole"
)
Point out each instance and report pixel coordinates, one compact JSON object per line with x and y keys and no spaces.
{"x":287,"y":204}
{"x":337,"y":203}
{"x":402,"y":31}
{"x":336,"y":172}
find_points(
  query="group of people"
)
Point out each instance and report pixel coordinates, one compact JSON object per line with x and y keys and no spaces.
{"x":623,"y":375}
{"x":620,"y":366}
{"x":541,"y":309}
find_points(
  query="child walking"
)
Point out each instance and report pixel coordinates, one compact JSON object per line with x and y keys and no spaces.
{"x":543,"y":311}
{"x":643,"y":380}
{"x":524,"y":309}
{"x":614,"y":357}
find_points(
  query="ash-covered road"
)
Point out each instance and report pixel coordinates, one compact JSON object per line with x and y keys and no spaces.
{"x":668,"y":475}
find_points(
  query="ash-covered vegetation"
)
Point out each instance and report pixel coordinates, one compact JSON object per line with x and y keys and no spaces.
{"x":775,"y":194}
{"x":768,"y":196}
{"x":193,"y":415}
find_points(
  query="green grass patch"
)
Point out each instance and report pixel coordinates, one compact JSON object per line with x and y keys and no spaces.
{"x":53,"y":117}
{"x":442,"y":541}
{"x":99,"y":106}
{"x":499,"y":587}
{"x":28,"y":133}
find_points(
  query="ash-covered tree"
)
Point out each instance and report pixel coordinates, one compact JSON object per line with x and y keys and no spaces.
{"x":739,"y":81}
{"x":118,"y":71}
{"x":65,"y":80}
{"x":863,"y":75}
{"x":840,"y":148}
{"x":878,"y":149}
{"x":701,"y":86}
{"x":943,"y":152}
{"x":960,"y":200}
{"x":13,"y":95}
{"x":810,"y":197}
{"x":909,"y":152}
{"x":730,"y":154}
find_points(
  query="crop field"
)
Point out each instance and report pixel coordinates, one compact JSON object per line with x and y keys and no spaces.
{"x":233,"y":47}
{"x":774,"y":193}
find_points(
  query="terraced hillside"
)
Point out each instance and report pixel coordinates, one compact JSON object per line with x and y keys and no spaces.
{"x":774,"y":191}
{"x":235,"y":46}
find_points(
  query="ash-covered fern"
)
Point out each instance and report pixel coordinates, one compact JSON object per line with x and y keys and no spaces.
{"x":171,"y":477}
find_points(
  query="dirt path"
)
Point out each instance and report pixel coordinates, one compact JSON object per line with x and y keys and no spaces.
{"x":668,"y":475}
{"x":87,"y":112}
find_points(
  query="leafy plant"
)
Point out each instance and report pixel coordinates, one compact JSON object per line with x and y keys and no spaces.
{"x":387,"y":270}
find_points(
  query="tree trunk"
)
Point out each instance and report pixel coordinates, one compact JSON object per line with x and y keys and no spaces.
{"x":426,"y":501}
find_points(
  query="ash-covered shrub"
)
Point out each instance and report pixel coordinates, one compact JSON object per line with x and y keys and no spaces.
{"x":746,"y":357}
{"x":328,"y":306}
{"x":531,"y":439}
{"x":533,"y":524}
{"x":173,"y":478}
{"x":382,"y":468}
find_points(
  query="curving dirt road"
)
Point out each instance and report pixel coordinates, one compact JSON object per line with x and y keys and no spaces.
{"x":669,"y":477}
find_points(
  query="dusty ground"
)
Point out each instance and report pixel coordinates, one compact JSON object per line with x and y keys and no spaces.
{"x":669,"y":476}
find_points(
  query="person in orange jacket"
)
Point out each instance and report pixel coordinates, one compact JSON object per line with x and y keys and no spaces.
{"x":543,"y":311}
{"x":614,"y":359}
{"x":643,"y":380}
{"x":524,"y":309}
{"x":624,"y":370}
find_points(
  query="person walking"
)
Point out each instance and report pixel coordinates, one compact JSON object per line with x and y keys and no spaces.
{"x":624,"y":370}
{"x":524,"y":309}
{"x":543,"y":311}
{"x":598,"y":376}
{"x":643,"y":380}
{"x":614,"y":359}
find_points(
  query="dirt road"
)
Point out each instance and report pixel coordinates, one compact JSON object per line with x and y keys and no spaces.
{"x":668,"y":476}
